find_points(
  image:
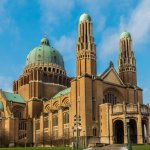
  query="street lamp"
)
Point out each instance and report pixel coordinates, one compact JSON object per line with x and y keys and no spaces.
{"x":128,"y":128}
{"x":25,"y":142}
{"x":73,"y":138}
{"x":84,"y":138}
{"x":77,"y":127}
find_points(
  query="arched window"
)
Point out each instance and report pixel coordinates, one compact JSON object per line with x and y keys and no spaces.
{"x":55,"y":120}
{"x":66,"y":118}
{"x":49,"y":69}
{"x":110,"y":97}
{"x":45,"y":69}
{"x":22,"y":125}
{"x":45,"y":77}
{"x":37,"y":124}
{"x":60,"y":79}
{"x":46,"y":122}
{"x":17,"y":113}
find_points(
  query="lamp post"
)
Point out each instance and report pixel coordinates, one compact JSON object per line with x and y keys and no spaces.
{"x":25,"y":142}
{"x":77,"y":124}
{"x":84,"y":139}
{"x":128,"y":128}
{"x":73,"y":138}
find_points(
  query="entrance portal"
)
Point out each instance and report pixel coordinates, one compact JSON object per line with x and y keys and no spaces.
{"x":144,"y":131}
{"x":118,"y":132}
{"x":133,"y":131}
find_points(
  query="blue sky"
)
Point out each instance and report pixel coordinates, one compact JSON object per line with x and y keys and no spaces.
{"x":24,"y":22}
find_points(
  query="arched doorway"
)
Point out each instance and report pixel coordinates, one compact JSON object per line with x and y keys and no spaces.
{"x":118,"y":132}
{"x":133,"y":131}
{"x":145,"y":131}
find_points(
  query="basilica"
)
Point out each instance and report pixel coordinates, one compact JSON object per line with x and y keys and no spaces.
{"x":49,"y":108}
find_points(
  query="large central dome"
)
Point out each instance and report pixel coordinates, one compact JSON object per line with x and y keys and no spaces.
{"x":45,"y":54}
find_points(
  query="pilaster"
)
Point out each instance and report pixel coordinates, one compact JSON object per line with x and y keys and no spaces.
{"x":41,"y":128}
{"x":139,"y":130}
{"x":60,"y":122}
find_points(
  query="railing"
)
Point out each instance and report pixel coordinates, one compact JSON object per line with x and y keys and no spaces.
{"x":145,"y":109}
{"x":118,"y":109}
{"x":130,"y":109}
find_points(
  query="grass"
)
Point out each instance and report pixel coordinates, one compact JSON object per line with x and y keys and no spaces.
{"x":141,"y":147}
{"x":38,"y":148}
{"x":134,"y":147}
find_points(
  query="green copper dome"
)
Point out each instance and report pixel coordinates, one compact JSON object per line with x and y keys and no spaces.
{"x":125,"y":34}
{"x":45,"y":54}
{"x":85,"y":17}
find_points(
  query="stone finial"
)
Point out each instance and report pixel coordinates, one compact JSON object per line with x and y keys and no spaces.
{"x":111,"y":64}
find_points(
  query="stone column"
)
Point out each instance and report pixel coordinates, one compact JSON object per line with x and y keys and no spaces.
{"x":60,"y":122}
{"x":139,"y":130}
{"x":11,"y":132}
{"x":34,"y":131}
{"x":111,"y":125}
{"x":148,"y":134}
{"x":50,"y":127}
{"x":125,"y":131}
{"x":41,"y":129}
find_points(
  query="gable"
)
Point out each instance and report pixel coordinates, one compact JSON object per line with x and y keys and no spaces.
{"x":112,"y":76}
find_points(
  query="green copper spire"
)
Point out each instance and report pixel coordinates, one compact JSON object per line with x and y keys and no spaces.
{"x":84,"y":17}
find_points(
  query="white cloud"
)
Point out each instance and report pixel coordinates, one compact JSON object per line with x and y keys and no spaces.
{"x":6,"y":83}
{"x":138,"y":24}
{"x":7,"y":24}
{"x":66,"y":45}
{"x":53,"y":11}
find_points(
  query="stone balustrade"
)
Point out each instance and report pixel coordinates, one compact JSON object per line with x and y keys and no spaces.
{"x":145,"y":109}
{"x":130,"y":109}
{"x":118,"y":109}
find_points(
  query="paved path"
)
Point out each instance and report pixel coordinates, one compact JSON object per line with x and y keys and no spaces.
{"x":107,"y":148}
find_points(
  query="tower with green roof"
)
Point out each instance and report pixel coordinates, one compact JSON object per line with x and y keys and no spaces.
{"x":127,"y":61}
{"x":85,"y":47}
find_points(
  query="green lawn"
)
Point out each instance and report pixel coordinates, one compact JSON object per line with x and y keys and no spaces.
{"x":141,"y":147}
{"x":134,"y":147}
{"x":20,"y":148}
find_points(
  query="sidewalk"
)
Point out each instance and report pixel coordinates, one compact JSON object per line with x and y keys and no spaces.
{"x":107,"y":148}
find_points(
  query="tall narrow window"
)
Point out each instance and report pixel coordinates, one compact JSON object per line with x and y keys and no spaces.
{"x":109,"y":97}
{"x":66,"y":118}
{"x":93,"y":109}
{"x":55,"y":120}
{"x":94,"y":132}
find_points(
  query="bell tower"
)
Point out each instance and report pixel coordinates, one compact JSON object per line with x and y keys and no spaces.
{"x":85,"y":48}
{"x":127,"y":61}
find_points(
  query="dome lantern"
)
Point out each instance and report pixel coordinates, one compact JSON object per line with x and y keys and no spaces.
{"x":44,"y":41}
